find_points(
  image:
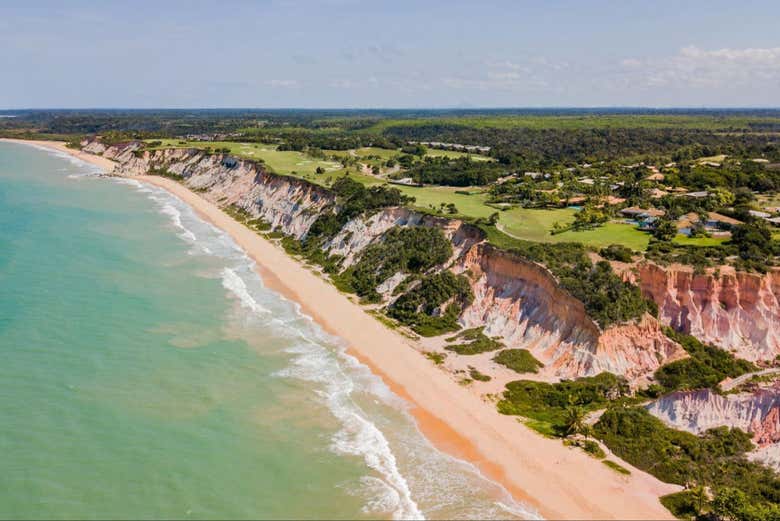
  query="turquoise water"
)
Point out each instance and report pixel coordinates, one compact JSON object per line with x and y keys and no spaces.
{"x":148,"y":373}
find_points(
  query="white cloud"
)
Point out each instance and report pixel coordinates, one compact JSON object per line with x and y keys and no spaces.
{"x":693,"y":67}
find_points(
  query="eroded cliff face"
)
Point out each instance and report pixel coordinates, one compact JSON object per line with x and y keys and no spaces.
{"x":521,"y":302}
{"x":515,"y":299}
{"x":756,"y":412}
{"x":737,"y":311}
{"x":359,"y":233}
{"x":288,"y":204}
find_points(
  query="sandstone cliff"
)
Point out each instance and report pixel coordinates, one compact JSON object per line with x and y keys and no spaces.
{"x":737,"y":311}
{"x":756,"y":412}
{"x":522,"y":302}
{"x":515,"y":299}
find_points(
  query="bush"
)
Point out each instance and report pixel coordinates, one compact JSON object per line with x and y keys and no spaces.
{"x":715,"y":459}
{"x":414,"y":249}
{"x":617,"y":252}
{"x":550,"y":403}
{"x":420,"y":307}
{"x":518,"y":360}
{"x":477,"y":343}
{"x":706,"y":367}
{"x":476,"y":375}
{"x":353,"y":199}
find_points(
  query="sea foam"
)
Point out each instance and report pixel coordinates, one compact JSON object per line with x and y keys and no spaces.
{"x":231,"y":281}
{"x":436,"y":478}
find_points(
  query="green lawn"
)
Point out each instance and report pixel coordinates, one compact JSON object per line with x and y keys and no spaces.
{"x":527,"y":223}
{"x":281,"y":162}
{"x":535,"y":225}
{"x":682,"y":240}
{"x":432,"y":196}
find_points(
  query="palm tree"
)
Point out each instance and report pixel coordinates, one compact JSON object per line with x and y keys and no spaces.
{"x":574,"y":421}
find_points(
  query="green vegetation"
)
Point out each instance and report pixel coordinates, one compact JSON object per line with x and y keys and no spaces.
{"x":354,"y":199}
{"x":589,"y":446}
{"x":706,"y":367}
{"x":532,"y":224}
{"x":715,"y":459}
{"x":608,"y":299}
{"x":417,"y":307}
{"x":560,"y":406}
{"x":411,"y":250}
{"x":476,"y":342}
{"x":683,"y":240}
{"x":278,"y":161}
{"x":617,"y":252}
{"x":616,"y":467}
{"x":454,"y":172}
{"x":436,"y":358}
{"x":518,"y":360}
{"x":541,"y":121}
{"x":455,"y":154}
{"x":478,"y":376}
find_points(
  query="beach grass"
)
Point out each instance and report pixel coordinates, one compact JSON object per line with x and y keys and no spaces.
{"x":616,"y":467}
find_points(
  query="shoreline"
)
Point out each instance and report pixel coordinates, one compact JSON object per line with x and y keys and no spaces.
{"x":540,"y":472}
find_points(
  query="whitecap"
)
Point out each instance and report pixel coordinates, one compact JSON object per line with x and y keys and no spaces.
{"x":232,"y":282}
{"x":175,"y":216}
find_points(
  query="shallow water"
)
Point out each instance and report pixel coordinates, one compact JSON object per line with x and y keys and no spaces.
{"x":148,"y":373}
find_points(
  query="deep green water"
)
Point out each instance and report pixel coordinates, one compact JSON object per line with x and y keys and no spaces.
{"x":147,"y":373}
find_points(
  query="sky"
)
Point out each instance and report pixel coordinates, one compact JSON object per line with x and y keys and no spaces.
{"x":389,"y":54}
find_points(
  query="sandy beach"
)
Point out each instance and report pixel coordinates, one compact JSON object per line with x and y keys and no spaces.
{"x":559,"y":482}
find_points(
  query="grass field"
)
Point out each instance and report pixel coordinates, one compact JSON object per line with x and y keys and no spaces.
{"x":431,"y":197}
{"x":281,"y":162}
{"x":383,"y":153}
{"x":535,"y":225}
{"x":682,"y":240}
{"x":529,"y":224}
{"x":284,"y":162}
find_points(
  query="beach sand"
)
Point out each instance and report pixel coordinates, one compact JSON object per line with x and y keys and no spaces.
{"x":559,"y":482}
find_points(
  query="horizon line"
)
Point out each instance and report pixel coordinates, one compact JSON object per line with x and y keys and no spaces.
{"x":446,"y":108}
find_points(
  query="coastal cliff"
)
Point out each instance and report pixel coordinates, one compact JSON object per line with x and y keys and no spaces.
{"x":756,"y":412}
{"x":514,"y":299}
{"x":737,"y":311}
{"x":522,"y":302}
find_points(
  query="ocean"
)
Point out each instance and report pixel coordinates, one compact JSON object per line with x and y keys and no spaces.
{"x":148,"y":373}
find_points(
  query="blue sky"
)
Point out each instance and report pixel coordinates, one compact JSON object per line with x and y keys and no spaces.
{"x":347,"y":53}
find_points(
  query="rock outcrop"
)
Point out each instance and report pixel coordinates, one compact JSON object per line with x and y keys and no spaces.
{"x":522,"y":302}
{"x":514,"y":298}
{"x":288,"y":204}
{"x":756,"y":412}
{"x":737,"y":311}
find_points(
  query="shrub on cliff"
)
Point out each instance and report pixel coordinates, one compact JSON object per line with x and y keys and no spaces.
{"x":715,"y":459}
{"x":353,"y":199}
{"x":420,"y":307}
{"x":706,"y":367}
{"x":413,"y":249}
{"x":608,"y":299}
